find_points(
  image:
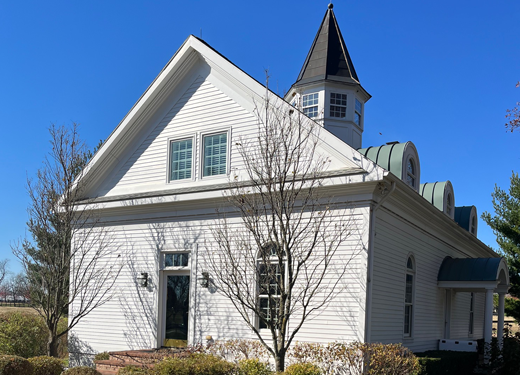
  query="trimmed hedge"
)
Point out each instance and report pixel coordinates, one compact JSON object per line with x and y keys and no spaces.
{"x":81,"y":370}
{"x":103,"y":356}
{"x":15,"y":365}
{"x":133,"y":370}
{"x":253,"y":367}
{"x":303,"y":369}
{"x":195,"y":364}
{"x":44,"y":365}
{"x":447,"y":362}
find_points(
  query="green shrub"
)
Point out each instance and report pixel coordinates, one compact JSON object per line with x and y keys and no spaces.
{"x":81,"y":370}
{"x":303,"y":369}
{"x":133,"y":370}
{"x":44,"y":365}
{"x":447,"y":362}
{"x":15,"y":365}
{"x":253,"y":367}
{"x":24,"y":335}
{"x":102,"y":356}
{"x":195,"y":364}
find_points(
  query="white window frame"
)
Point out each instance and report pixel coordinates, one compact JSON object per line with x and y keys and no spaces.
{"x":169,"y":158}
{"x":412,"y":175}
{"x":471,"y":328}
{"x":360,"y":113}
{"x":317,"y":105}
{"x":228,"y":153}
{"x":338,"y":105}
{"x":411,"y":305}
{"x":260,"y":261}
{"x":449,"y":204}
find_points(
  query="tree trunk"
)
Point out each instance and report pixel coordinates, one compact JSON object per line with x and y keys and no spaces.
{"x":52,"y":345}
{"x":279,"y":361}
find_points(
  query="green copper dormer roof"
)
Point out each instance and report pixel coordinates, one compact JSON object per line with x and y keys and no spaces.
{"x":328,"y":58}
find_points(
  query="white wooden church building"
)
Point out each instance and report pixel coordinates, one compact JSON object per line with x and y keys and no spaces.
{"x":420,"y":273}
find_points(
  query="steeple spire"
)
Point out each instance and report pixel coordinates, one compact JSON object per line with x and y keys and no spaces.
{"x":328,"y":58}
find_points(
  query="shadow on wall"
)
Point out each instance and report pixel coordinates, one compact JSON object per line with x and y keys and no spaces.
{"x":80,"y":352}
{"x":139,"y":304}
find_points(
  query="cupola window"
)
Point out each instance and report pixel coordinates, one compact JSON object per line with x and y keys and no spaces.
{"x":358,"y":113}
{"x":310,"y":105}
{"x":338,"y":105}
{"x":474,"y":225}
{"x":410,"y":172}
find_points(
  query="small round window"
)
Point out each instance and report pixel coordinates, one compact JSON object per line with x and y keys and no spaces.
{"x":410,"y":172}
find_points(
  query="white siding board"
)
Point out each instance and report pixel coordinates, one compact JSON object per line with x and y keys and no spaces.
{"x":395,"y":240}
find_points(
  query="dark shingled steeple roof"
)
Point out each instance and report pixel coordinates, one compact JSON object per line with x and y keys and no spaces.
{"x":328,"y":58}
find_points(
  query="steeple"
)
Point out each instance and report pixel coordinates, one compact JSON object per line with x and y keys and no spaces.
{"x":328,"y":58}
{"x":328,"y":88}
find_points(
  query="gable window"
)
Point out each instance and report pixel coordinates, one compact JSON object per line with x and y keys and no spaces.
{"x":474,"y":225}
{"x":215,"y":154}
{"x":471,"y":314}
{"x":338,"y":105}
{"x":357,"y":113}
{"x":181,"y":153}
{"x":449,"y":204}
{"x":271,"y":278}
{"x":408,"y":297}
{"x":310,"y":105}
{"x":410,"y":172}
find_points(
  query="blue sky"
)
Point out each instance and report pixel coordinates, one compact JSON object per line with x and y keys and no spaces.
{"x":441,"y":73}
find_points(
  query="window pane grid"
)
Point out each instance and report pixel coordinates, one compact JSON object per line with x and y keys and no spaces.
{"x":215,"y":154}
{"x":176,"y":260}
{"x":310,"y":105}
{"x":181,"y":153}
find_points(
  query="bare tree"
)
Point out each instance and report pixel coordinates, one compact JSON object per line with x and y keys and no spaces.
{"x":275,"y":253}
{"x":513,"y":116}
{"x":70,"y":259}
{"x":3,"y":270}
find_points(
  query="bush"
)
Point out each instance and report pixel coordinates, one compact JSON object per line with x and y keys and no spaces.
{"x":24,"y":335}
{"x":235,"y":350}
{"x":133,"y":370}
{"x":81,"y":370}
{"x":15,"y":365}
{"x":447,"y":362}
{"x":195,"y":364}
{"x":102,"y":356}
{"x":303,"y":369}
{"x":253,"y":367}
{"x":44,"y":365}
{"x":392,"y":359}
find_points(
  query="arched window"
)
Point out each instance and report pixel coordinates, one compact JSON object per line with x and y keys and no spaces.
{"x":471,"y":313}
{"x":474,"y":225}
{"x":409,"y":297}
{"x":410,"y":172}
{"x":449,"y":204}
{"x":271,"y":281}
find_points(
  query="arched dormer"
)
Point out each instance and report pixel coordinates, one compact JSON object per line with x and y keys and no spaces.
{"x":466,"y":217}
{"x":441,"y":195}
{"x":401,"y":159}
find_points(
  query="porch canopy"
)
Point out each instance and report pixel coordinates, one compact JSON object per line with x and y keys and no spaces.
{"x":486,"y":275}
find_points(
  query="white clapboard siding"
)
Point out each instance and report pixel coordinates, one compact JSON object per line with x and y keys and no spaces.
{"x":395,"y":240}
{"x":130,"y":319}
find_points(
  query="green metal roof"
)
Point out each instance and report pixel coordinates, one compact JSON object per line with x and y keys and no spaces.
{"x":433,"y":192}
{"x":469,"y":269}
{"x":463,"y":216}
{"x":389,"y":156}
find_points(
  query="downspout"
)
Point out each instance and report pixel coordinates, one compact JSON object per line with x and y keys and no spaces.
{"x":370,"y":260}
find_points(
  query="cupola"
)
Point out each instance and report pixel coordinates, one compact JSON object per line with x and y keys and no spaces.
{"x":327,"y":88}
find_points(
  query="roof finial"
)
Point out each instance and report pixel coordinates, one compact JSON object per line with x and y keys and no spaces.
{"x":331,"y":5}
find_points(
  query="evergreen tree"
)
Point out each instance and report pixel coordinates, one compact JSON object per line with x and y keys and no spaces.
{"x":506,"y":226}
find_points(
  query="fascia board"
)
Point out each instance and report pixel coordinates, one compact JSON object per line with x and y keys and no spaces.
{"x":426,"y":215}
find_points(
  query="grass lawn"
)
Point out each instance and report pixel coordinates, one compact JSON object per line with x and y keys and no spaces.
{"x":6,"y":309}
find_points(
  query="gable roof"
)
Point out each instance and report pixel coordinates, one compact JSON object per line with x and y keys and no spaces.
{"x":192,"y":55}
{"x":328,"y":58}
